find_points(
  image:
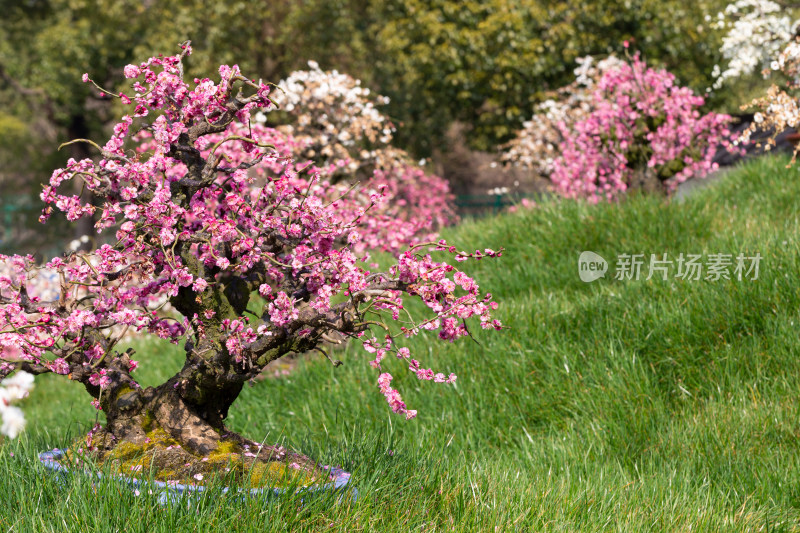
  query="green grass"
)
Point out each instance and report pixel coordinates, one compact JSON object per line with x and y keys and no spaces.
{"x":611,"y":406}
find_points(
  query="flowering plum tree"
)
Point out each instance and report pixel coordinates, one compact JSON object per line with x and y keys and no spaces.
{"x":256,"y":261}
{"x":638,"y":129}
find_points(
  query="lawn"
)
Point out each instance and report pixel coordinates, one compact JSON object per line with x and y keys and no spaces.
{"x":646,"y":405}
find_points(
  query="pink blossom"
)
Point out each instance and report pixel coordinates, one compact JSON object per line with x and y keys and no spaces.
{"x":595,"y":154}
{"x":282,"y":310}
{"x":131,"y":71}
{"x":60,"y":366}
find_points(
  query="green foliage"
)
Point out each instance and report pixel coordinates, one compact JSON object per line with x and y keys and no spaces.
{"x":487,"y":63}
{"x":483,"y":62}
{"x":23,"y":153}
{"x":48,"y":45}
{"x":478,"y":62}
{"x":13,"y":131}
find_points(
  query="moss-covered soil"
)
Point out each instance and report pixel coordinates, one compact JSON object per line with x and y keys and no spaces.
{"x":233,"y":463}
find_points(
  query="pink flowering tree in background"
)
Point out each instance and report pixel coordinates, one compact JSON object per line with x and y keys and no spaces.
{"x":537,"y":145}
{"x":637,"y":129}
{"x":205,"y":212}
{"x":333,"y":126}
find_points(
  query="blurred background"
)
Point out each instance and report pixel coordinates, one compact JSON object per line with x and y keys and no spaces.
{"x":461,"y":76}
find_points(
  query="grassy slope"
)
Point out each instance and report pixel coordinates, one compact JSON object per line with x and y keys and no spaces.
{"x":638,"y":405}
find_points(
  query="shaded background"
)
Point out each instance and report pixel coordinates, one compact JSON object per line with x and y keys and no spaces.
{"x":462,"y":76}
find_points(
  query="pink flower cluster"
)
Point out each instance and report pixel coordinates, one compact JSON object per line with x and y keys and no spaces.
{"x":396,"y":207}
{"x":641,"y":122}
{"x":204,"y":206}
{"x":409,"y":206}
